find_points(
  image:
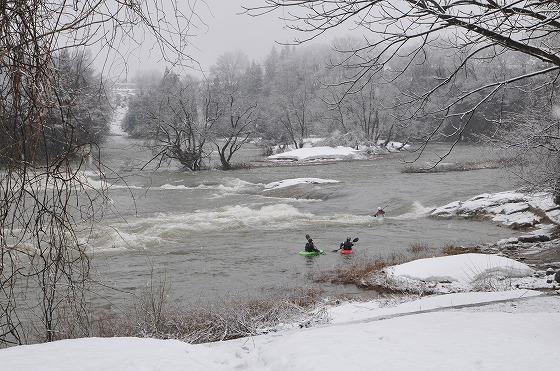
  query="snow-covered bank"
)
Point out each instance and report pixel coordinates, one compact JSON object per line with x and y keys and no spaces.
{"x":462,"y":339}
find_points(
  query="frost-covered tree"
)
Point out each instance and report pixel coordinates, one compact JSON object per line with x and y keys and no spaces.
{"x":236,"y":87}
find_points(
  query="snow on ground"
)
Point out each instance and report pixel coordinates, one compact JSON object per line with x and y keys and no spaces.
{"x":456,"y":273}
{"x":291,"y":182}
{"x":489,"y":337}
{"x":464,"y":268}
{"x":317,"y":153}
{"x":375,"y":309}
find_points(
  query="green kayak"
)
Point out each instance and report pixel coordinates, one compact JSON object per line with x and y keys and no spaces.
{"x":311,"y":253}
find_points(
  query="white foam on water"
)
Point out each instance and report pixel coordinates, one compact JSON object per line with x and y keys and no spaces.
{"x":417,"y":211}
{"x":160,"y":228}
{"x":230,"y":185}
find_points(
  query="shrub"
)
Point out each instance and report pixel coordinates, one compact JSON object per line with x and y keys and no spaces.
{"x":450,"y":249}
{"x":418,"y":248}
{"x":154,"y":316}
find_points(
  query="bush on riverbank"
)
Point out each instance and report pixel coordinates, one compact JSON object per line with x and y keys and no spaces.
{"x":152,"y":315}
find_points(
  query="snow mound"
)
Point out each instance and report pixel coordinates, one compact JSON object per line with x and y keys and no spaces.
{"x":464,"y":269}
{"x":317,"y":154}
{"x":291,"y":182}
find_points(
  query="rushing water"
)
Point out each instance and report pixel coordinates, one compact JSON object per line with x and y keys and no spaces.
{"x":212,"y":233}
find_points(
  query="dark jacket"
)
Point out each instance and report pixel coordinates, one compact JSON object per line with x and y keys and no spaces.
{"x":346,"y":245}
{"x":379,"y":213}
{"x":310,"y":246}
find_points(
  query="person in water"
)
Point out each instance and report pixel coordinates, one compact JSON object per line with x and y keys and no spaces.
{"x":347,"y":245}
{"x":310,"y":246}
{"x":380,"y":212}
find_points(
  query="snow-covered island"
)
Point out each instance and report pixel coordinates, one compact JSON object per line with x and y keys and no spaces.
{"x":327,"y":153}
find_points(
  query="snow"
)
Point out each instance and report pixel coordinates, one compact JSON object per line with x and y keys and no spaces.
{"x":459,"y":331}
{"x":317,"y":153}
{"x":510,"y":208}
{"x":465,"y":338}
{"x":464,"y":269}
{"x":480,"y":203}
{"x":116,"y":123}
{"x":522,"y":218}
{"x":554,"y":215}
{"x":543,"y":201}
{"x":356,"y":311}
{"x":291,"y":182}
{"x":95,"y":354}
{"x":394,"y":146}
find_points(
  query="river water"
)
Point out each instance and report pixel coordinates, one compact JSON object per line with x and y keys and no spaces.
{"x":216,"y":233}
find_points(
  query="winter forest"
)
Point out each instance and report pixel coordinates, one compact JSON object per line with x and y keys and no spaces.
{"x":200,"y":185}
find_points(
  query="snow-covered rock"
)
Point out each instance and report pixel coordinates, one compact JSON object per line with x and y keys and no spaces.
{"x":510,"y":208}
{"x":291,"y":182}
{"x":542,"y":201}
{"x":519,"y":220}
{"x":461,"y":272}
{"x":554,"y":215}
{"x":317,"y":153}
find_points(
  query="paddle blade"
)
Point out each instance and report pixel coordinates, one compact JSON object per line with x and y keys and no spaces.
{"x":355,"y":239}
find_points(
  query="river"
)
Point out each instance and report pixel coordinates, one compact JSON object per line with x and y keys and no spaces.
{"x":217,"y":233}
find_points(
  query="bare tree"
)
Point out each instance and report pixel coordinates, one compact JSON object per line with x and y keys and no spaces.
{"x":238,"y":102}
{"x":180,"y":123}
{"x":46,"y":204}
{"x":295,"y":94}
{"x":400,"y":34}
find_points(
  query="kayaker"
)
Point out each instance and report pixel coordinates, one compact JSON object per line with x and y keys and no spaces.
{"x":380,"y":212}
{"x":347,"y":245}
{"x":310,"y":246}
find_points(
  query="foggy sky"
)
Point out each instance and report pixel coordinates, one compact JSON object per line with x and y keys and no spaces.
{"x":225,"y":30}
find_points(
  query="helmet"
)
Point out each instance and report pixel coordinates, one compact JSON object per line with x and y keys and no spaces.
{"x":307,"y":236}
{"x":379,"y":208}
{"x":347,"y":239}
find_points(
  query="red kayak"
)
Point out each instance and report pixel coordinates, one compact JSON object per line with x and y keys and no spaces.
{"x":346,"y":252}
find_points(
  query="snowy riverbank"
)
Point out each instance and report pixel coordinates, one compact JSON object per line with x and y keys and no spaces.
{"x":430,"y":333}
{"x":512,"y":330}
